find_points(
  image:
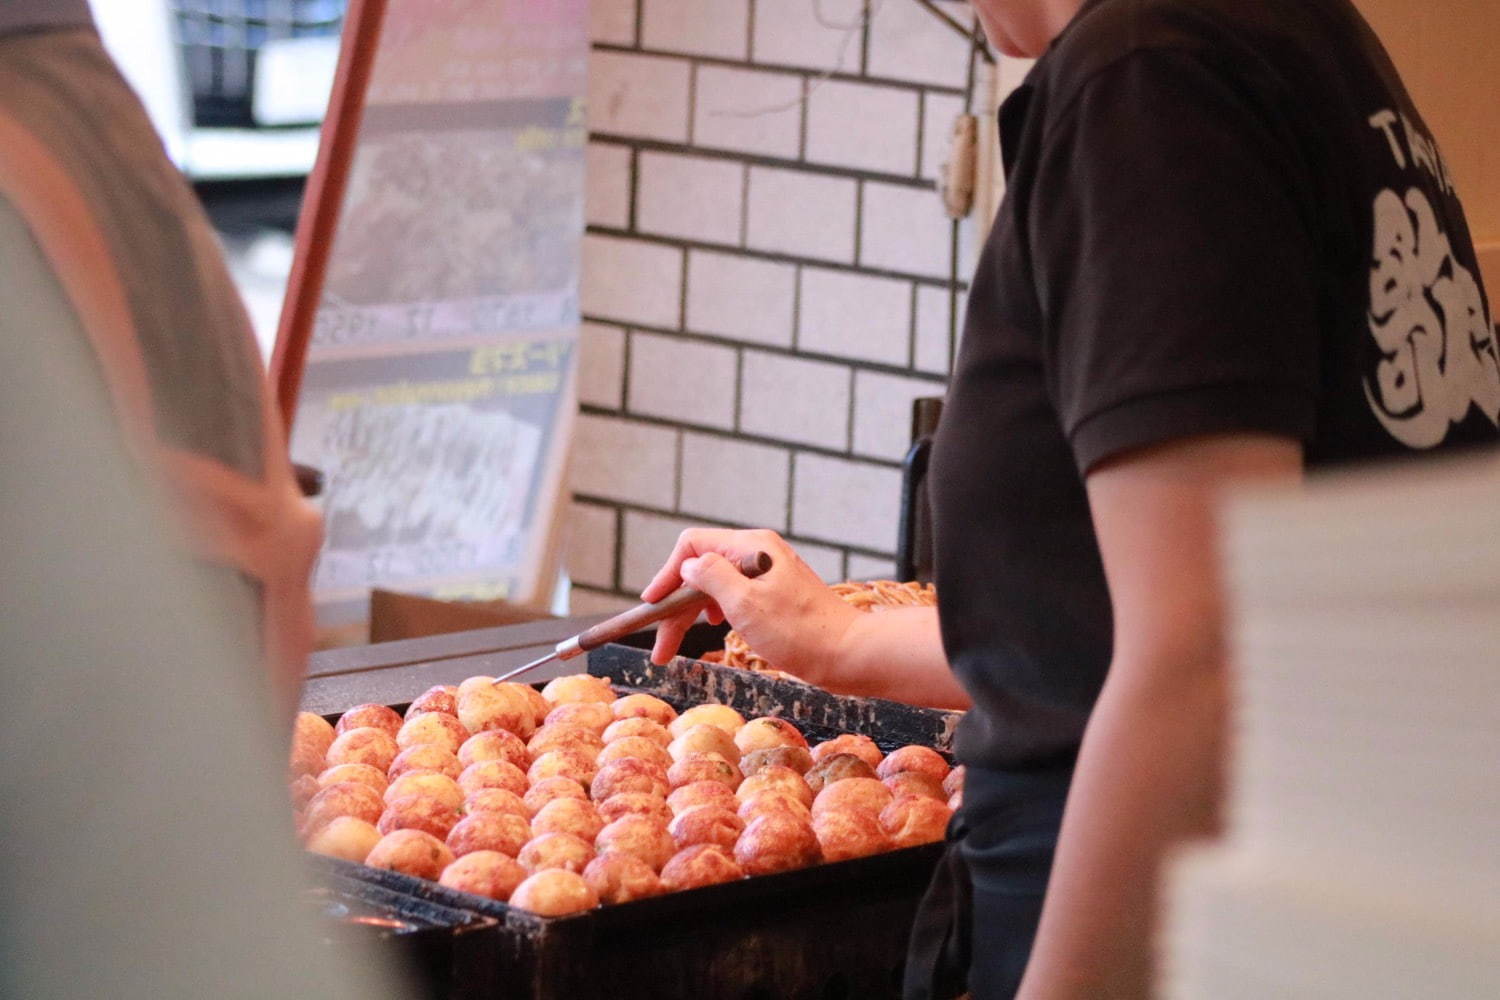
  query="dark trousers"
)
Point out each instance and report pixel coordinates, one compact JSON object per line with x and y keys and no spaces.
{"x":978,"y":920}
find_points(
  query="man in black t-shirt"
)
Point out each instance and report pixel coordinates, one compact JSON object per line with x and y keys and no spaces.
{"x":1229,"y":249}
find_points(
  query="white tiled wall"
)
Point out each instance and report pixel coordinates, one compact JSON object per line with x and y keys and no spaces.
{"x":767,"y":275}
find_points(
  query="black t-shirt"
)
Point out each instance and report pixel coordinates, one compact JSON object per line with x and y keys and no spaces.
{"x":1221,"y":216}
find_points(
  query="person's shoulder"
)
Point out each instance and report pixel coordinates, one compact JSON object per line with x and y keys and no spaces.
{"x":1226,"y":37}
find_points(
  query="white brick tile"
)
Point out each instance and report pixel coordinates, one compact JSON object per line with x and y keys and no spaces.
{"x":624,"y":460}
{"x":794,"y":399}
{"x":607,"y":190}
{"x":601,"y":365}
{"x":691,"y":197}
{"x":740,"y":297}
{"x":939,"y":111}
{"x":825,"y":560}
{"x":908,"y":43}
{"x":700,"y":27}
{"x":863,"y":127}
{"x":591,"y":544}
{"x":592,"y":602}
{"x":866,"y":568}
{"x":904,"y":229}
{"x":648,"y":541}
{"x":799,"y":213}
{"x":681,"y":380}
{"x":748,"y":111}
{"x":791,"y":33}
{"x":882,"y":412}
{"x":932,"y":329}
{"x":612,"y":21}
{"x":638,"y":95}
{"x":632,"y":281}
{"x":845,"y":502}
{"x":855,"y":316}
{"x":735,"y":481}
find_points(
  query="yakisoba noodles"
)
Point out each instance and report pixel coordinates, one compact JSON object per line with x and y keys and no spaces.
{"x":867,"y":596}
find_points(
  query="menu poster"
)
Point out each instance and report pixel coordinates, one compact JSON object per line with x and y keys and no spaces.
{"x":437,"y":395}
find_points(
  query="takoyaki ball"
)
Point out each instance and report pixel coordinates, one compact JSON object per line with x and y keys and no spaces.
{"x":774,"y":777}
{"x":302,"y":790}
{"x":381,"y":717}
{"x":594,"y":716}
{"x":306,"y":758}
{"x":698,"y":866}
{"x":418,"y":812}
{"x":539,"y":706}
{"x":310,"y":729}
{"x":345,"y":837}
{"x":722,"y":716}
{"x":860,"y":746}
{"x":905,"y":783}
{"x":776,"y":843}
{"x":644,"y":706}
{"x":638,"y":747}
{"x":365,"y":774}
{"x":576,"y":764}
{"x":346,"y":798}
{"x":766,"y":732}
{"x":777,"y":801}
{"x":578,"y":687}
{"x":472,"y":684}
{"x":637,"y":804}
{"x":837,"y":767}
{"x":483,"y":708}
{"x":796,"y":758}
{"x":704,"y":739}
{"x":495,"y":800}
{"x":555,"y":850}
{"x":438,"y":698}
{"x":544,"y":791}
{"x":637,"y":726}
{"x":554,"y":892}
{"x":640,"y":836}
{"x":484,"y":873}
{"x":426,"y":757}
{"x":703,"y":767}
{"x":564,"y":736}
{"x":915,"y":820}
{"x":860,"y":794}
{"x":433,"y":727}
{"x":702,"y":793}
{"x":620,"y":878}
{"x":574,"y":816}
{"x":955,"y":781}
{"x":495,"y":744}
{"x":492,"y":774}
{"x":506,"y":833}
{"x":433,"y":784}
{"x":365,"y":745}
{"x":706,"y":825}
{"x":411,"y":852}
{"x":923,"y":760}
{"x":849,"y":833}
{"x":629,"y":774}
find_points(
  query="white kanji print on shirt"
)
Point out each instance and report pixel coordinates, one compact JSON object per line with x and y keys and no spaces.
{"x":1427,"y":314}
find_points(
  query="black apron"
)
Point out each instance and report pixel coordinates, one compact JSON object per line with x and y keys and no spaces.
{"x":976,"y":924}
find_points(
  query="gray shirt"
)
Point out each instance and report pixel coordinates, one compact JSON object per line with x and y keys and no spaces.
{"x":30,"y":15}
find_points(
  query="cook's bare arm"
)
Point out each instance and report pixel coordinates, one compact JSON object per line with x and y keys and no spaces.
{"x":792,"y":619}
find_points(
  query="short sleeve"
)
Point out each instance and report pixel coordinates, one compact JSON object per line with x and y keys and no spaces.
{"x":1175,"y":257}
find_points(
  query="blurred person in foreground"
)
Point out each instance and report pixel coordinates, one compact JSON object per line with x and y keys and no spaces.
{"x":1229,"y":250}
{"x":133,"y":255}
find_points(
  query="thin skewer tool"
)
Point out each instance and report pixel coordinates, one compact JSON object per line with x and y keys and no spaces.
{"x":616,"y":628}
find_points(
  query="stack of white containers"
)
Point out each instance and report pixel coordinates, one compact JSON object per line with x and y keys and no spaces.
{"x":1362,"y":858}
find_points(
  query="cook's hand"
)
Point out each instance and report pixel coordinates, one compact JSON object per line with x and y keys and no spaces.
{"x":788,"y":615}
